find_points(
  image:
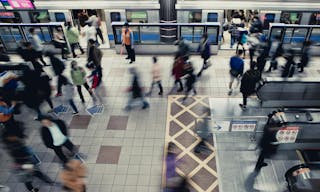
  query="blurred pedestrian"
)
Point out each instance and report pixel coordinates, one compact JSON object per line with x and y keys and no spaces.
{"x":242,"y":40}
{"x":203,"y":131}
{"x":95,"y":54}
{"x":96,"y":22}
{"x":91,"y":33}
{"x":96,"y":83}
{"x":190,"y":80}
{"x":306,"y":56}
{"x":156,"y":76}
{"x":78,"y":75}
{"x":204,"y":50}
{"x":28,"y":53}
{"x":128,"y":42}
{"x":234,"y":34}
{"x":68,"y":89}
{"x":36,"y":44}
{"x":136,"y":92}
{"x":60,"y":42}
{"x":178,"y":72}
{"x":290,"y":66}
{"x":73,"y":38}
{"x":54,"y":135}
{"x":3,"y":55}
{"x":183,"y":49}
{"x":276,"y":50}
{"x":72,"y":176}
{"x":58,"y":67}
{"x":248,"y":85}
{"x":236,"y":69}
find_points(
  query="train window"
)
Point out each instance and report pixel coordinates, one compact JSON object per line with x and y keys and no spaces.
{"x":195,"y":16}
{"x":197,"y":34}
{"x":115,"y":16}
{"x":118,"y":34}
{"x":315,"y":19}
{"x":276,"y":32}
{"x":149,"y":34}
{"x":213,"y":35}
{"x":212,"y":17}
{"x":288,"y":35}
{"x":290,"y":17}
{"x":137,"y":16}
{"x":60,"y":17}
{"x":39,"y":17}
{"x":268,"y":18}
{"x":315,"y":35}
{"x":299,"y":35}
{"x":187,"y":33}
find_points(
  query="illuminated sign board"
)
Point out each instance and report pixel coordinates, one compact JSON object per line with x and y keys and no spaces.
{"x":18,"y":4}
{"x":6,"y":15}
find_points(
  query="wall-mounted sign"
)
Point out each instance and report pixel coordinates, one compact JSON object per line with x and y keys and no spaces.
{"x":245,"y":125}
{"x":287,"y":134}
{"x":4,"y":15}
{"x":18,"y":4}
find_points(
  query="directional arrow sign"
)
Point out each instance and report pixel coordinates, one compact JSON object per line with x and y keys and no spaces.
{"x":60,"y":109}
{"x":97,"y":109}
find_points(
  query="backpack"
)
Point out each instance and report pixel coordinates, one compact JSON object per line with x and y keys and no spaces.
{"x":244,"y":38}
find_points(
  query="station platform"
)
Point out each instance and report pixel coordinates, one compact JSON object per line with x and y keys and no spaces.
{"x":124,"y":151}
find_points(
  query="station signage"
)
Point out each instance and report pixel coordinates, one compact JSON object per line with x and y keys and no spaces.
{"x":6,"y":15}
{"x":18,"y":4}
{"x":287,"y":134}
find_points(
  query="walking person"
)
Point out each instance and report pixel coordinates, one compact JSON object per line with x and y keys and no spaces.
{"x":4,"y":57}
{"x":96,"y":22}
{"x":203,"y":131}
{"x":73,"y":38}
{"x":156,"y":76}
{"x":72,"y":176}
{"x":96,"y":83}
{"x":95,"y":54}
{"x":128,"y":42}
{"x":68,"y":89}
{"x":54,"y":135}
{"x":60,"y":42}
{"x":136,"y":92}
{"x":275,"y":51}
{"x":36,"y":44}
{"x":236,"y":69}
{"x":91,"y":33}
{"x":305,"y":57}
{"x":178,"y":72}
{"x":204,"y":49}
{"x":248,"y":85}
{"x":234,"y":34}
{"x":190,"y":80}
{"x":242,"y":40}
{"x":78,"y":76}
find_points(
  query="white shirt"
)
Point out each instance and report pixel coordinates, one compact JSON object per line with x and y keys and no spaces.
{"x":36,"y":42}
{"x":94,"y":21}
{"x":58,"y":137}
{"x":90,"y":32}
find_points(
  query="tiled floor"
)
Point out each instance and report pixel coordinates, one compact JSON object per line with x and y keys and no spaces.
{"x":124,"y":150}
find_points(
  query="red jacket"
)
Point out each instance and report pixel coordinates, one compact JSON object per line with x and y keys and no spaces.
{"x":178,"y":68}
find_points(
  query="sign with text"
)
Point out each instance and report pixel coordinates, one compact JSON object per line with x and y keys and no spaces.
{"x":18,"y":4}
{"x":5,"y":15}
{"x":243,"y":125}
{"x":287,"y":134}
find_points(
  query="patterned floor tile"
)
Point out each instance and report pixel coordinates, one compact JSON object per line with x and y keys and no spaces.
{"x":108,"y":155}
{"x":118,"y":123}
{"x":80,"y":122}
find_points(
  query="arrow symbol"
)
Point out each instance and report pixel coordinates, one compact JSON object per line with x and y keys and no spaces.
{"x":97,"y":109}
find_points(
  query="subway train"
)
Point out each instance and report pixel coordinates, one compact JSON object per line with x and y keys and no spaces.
{"x":149,"y":11}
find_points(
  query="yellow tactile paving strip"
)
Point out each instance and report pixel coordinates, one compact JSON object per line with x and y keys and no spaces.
{"x":199,"y":169}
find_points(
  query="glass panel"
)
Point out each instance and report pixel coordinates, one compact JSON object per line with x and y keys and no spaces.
{"x":268,"y":18}
{"x":135,"y":31}
{"x":198,"y":32}
{"x":212,"y":17}
{"x":118,"y":37}
{"x":290,"y":17}
{"x":212,"y":34}
{"x":276,"y":32}
{"x":45,"y":35}
{"x":115,"y":16}
{"x":187,"y":33}
{"x":10,"y":37}
{"x":315,"y":35}
{"x":195,"y":16}
{"x":299,"y":35}
{"x":288,"y":35}
{"x":149,"y":34}
{"x":315,"y":18}
{"x":137,"y":16}
{"x":60,"y":17}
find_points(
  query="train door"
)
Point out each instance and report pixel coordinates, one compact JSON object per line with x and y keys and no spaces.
{"x":314,"y":18}
{"x":268,"y":17}
{"x":60,"y":15}
{"x":39,"y":16}
{"x":11,"y":37}
{"x":291,"y":17}
{"x":113,"y":15}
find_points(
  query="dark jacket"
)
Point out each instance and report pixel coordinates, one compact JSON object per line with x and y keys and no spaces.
{"x":57,"y":65}
{"x":95,"y":56}
{"x":136,"y":89}
{"x":46,"y":135}
{"x":249,"y":81}
{"x":204,"y":49}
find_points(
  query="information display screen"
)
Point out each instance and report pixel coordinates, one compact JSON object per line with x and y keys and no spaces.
{"x":18,"y":4}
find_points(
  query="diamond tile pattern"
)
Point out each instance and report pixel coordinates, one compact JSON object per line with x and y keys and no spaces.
{"x":189,"y":164}
{"x":80,"y":122}
{"x":109,"y":155}
{"x":118,"y":122}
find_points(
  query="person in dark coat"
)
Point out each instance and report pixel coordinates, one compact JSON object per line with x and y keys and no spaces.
{"x":136,"y":92}
{"x":305,"y":57}
{"x":54,"y":135}
{"x":289,"y":67}
{"x":178,"y":72}
{"x":204,"y":49}
{"x":190,"y":80}
{"x":248,"y":85}
{"x":29,"y":54}
{"x":268,"y":142}
{"x":58,"y":67}
{"x":3,"y":56}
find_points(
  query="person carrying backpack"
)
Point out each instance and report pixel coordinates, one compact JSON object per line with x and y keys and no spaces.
{"x":242,"y":40}
{"x":204,"y":50}
{"x":248,"y":85}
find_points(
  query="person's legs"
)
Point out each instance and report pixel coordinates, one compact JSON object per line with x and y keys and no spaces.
{"x":160,"y":88}
{"x":69,"y":145}
{"x":99,"y":33}
{"x":97,"y":93}
{"x":82,"y":51}
{"x":151,"y":88}
{"x":230,"y":84}
{"x":49,"y":101}
{"x":73,"y":46}
{"x":59,"y":86}
{"x":251,"y":54}
{"x":128,"y":48}
{"x":133,"y":55}
{"x":80,"y":93}
{"x":41,"y":59}
{"x":73,"y":106}
{"x":88,"y":88}
{"x":59,"y":153}
{"x":29,"y":185}
{"x":180,"y":83}
{"x":42,"y":176}
{"x":260,"y":162}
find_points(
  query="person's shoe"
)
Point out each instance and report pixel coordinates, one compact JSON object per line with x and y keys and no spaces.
{"x":160,"y":93}
{"x":82,"y":53}
{"x":127,"y":57}
{"x":180,"y":90}
{"x":264,"y":164}
{"x":145,"y":106}
{"x":131,"y":62}
{"x":300,"y":71}
{"x":230,"y":92}
{"x":50,"y":110}
{"x":36,"y":118}
{"x":58,"y":94}
{"x":243,"y":107}
{"x":75,"y":113}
